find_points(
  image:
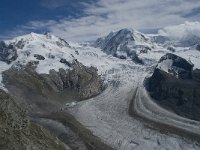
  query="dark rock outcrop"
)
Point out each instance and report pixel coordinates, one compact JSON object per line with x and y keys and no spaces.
{"x":84,"y":80}
{"x":178,"y":94}
{"x":180,"y":67}
{"x":198,"y":47}
{"x":39,"y":57}
{"x":8,"y":53}
{"x":171,"y":49}
{"x":134,"y":57}
{"x":64,"y":61}
{"x":20,"y":44}
{"x":51,"y":56}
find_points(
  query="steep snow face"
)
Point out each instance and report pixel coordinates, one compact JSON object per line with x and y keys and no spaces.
{"x":175,"y":65}
{"x":125,"y":43}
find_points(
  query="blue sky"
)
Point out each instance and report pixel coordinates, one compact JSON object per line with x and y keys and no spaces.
{"x":82,"y":20}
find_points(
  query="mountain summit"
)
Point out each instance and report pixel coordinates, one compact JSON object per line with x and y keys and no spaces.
{"x":125,"y":43}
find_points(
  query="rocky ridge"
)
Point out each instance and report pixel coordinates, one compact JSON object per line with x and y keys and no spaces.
{"x":175,"y":86}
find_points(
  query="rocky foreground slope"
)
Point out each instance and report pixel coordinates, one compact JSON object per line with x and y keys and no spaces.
{"x":17,"y":132}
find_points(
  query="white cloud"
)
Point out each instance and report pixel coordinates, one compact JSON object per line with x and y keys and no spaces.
{"x":183,"y":31}
{"x":106,"y":15}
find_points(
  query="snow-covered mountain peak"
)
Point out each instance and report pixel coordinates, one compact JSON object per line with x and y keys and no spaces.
{"x":124,"y":36}
{"x":49,"y":51}
{"x":125,"y":43}
{"x":21,"y":41}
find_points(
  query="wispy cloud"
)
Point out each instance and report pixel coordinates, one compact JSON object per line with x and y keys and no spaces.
{"x":106,"y":15}
{"x":52,"y":4}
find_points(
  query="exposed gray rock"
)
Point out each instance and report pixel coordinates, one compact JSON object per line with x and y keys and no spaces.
{"x":20,"y":44}
{"x":84,"y":80}
{"x":39,"y":57}
{"x":171,"y":48}
{"x":62,"y":43}
{"x":51,"y":56}
{"x":8,"y":53}
{"x":144,"y":51}
{"x":77,"y":53}
{"x":120,"y":56}
{"x":134,"y":57}
{"x":64,"y":61}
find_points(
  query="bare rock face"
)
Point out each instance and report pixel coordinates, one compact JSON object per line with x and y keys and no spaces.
{"x":39,"y":57}
{"x":81,"y":79}
{"x":18,"y":133}
{"x":20,"y":44}
{"x":64,"y":61}
{"x":8,"y":53}
{"x":177,"y":90}
{"x":85,"y":80}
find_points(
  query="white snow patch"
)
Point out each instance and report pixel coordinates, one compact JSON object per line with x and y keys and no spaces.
{"x":165,"y":65}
